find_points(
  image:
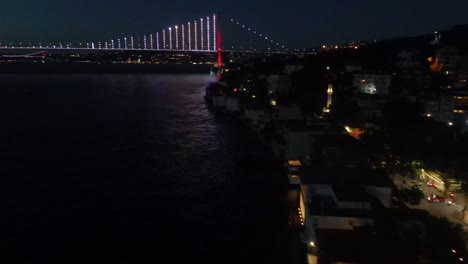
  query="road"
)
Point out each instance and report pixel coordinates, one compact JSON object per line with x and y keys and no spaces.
{"x":452,"y":212}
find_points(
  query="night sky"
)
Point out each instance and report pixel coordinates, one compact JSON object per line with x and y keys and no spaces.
{"x":297,"y":24}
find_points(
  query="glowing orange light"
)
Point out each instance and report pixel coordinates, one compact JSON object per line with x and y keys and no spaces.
{"x":436,"y":66}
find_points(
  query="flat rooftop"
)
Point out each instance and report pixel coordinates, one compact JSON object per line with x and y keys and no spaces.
{"x":354,"y":176}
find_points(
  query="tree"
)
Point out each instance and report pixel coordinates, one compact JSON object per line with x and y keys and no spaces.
{"x":412,"y":196}
{"x":465,"y":201}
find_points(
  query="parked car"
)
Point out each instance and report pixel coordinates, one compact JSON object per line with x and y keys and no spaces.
{"x":435,"y":198}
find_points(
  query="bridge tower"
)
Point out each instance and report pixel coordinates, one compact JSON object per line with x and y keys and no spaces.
{"x":219,"y":43}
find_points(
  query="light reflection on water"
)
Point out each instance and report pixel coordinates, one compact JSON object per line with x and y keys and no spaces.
{"x":126,"y":167}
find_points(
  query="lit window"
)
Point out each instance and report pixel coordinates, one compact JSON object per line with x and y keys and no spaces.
{"x":294,"y":163}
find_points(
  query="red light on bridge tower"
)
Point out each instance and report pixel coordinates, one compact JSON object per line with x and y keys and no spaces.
{"x":219,"y":43}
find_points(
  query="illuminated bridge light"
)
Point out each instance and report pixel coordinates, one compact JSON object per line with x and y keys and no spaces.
{"x":151,"y":42}
{"x":205,"y":36}
{"x":189,"y":37}
{"x":157,"y":40}
{"x":214,"y":32}
{"x":201,"y":34}
{"x":183,"y":37}
{"x":196,"y":35}
{"x":208,"y":42}
{"x":170,"y":38}
{"x":177,"y":37}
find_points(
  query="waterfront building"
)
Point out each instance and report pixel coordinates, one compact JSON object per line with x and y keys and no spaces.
{"x":290,"y":68}
{"x":295,"y":139}
{"x":258,"y":117}
{"x":287,"y":112}
{"x":439,"y":108}
{"x":370,"y":106}
{"x":338,"y":210}
{"x":279,"y":84}
{"x":371,"y":83}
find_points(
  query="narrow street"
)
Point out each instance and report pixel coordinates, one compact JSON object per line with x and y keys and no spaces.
{"x":453,"y":212}
{"x":438,"y":209}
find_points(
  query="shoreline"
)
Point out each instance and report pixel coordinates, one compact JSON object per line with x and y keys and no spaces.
{"x":91,"y":68}
{"x":262,"y":139}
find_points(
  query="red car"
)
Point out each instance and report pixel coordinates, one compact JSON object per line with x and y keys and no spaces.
{"x":435,"y":198}
{"x":430,"y":184}
{"x":452,"y":195}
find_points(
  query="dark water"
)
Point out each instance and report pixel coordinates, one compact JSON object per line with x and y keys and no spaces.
{"x":130,"y":169}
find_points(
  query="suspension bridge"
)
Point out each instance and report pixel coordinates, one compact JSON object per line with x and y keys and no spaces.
{"x":200,"y":35}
